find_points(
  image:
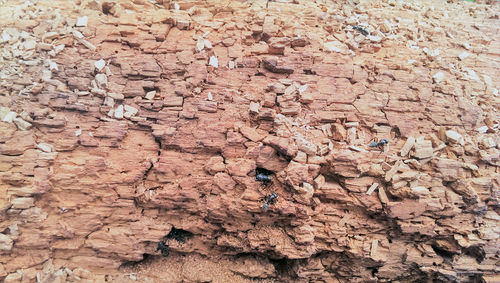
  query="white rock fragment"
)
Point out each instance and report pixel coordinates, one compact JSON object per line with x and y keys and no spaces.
{"x":22,"y":203}
{"x":5,"y":243}
{"x":176,"y":6}
{"x":29,"y":44}
{"x":51,"y":35}
{"x":463,"y":55}
{"x":254,"y":107}
{"x":44,"y":46}
{"x":200,"y":44}
{"x":482,"y":129}
{"x":99,"y":65}
{"x":150,"y":94}
{"x":335,"y":46}
{"x":116,"y":96}
{"x":372,"y":188}
{"x":108,"y":101}
{"x":487,"y":142}
{"x":183,"y":24}
{"x":82,"y":21}
{"x":9,"y":117}
{"x":107,"y":71}
{"x":466,"y":45}
{"x":53,"y":66}
{"x":47,"y":76}
{"x":5,"y":37}
{"x":45,"y":147}
{"x":209,"y":96}
{"x":302,"y":88}
{"x":207,"y":44}
{"x":423,"y":148}
{"x":22,"y":124}
{"x":214,"y":62}
{"x":420,"y":190}
{"x":439,"y":147}
{"x":410,"y":142}
{"x":357,"y":148}
{"x":129,"y":111}
{"x":88,"y":45}
{"x":77,"y":34}
{"x":119,"y":112}
{"x":374,"y":38}
{"x":471,"y":74}
{"x":374,"y":247}
{"x":3,"y":112}
{"x":431,"y":54}
{"x":231,"y":65}
{"x":101,"y":80}
{"x":78,"y":132}
{"x":455,"y":137}
{"x":470,"y":166}
{"x":59,"y":48}
{"x":438,"y":77}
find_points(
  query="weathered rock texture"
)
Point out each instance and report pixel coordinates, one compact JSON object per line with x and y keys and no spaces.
{"x":143,"y":118}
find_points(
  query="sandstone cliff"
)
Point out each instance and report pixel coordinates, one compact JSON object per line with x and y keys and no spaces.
{"x":129,"y":123}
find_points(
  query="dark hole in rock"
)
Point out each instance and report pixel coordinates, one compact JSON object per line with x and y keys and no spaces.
{"x":475,"y":252}
{"x":179,"y":235}
{"x":107,"y":6}
{"x":442,"y":252}
{"x":260,"y":170}
{"x":283,"y":267}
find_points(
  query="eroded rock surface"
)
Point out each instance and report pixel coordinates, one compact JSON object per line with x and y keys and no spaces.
{"x":129,"y":123}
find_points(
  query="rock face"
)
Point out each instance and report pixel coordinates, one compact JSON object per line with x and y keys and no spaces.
{"x":137,"y":123}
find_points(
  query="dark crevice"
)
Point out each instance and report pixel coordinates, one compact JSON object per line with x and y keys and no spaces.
{"x":476,"y":252}
{"x":442,"y":252}
{"x":158,"y":141}
{"x":374,"y":270}
{"x":179,"y":235}
{"x":146,"y":174}
{"x":283,"y":267}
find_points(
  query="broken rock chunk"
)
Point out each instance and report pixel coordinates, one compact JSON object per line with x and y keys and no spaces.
{"x":276,"y":66}
{"x":454,"y":137}
{"x":410,"y":142}
{"x":423,"y":149}
{"x":101,"y":80}
{"x":129,"y":111}
{"x":254,"y":108}
{"x":22,"y":124}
